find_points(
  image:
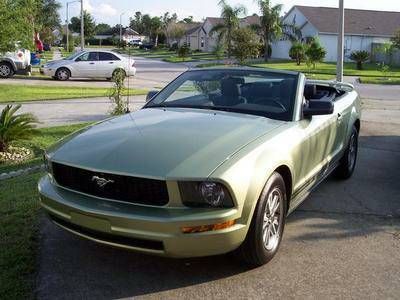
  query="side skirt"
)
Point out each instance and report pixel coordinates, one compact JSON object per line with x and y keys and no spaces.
{"x":300,"y":195}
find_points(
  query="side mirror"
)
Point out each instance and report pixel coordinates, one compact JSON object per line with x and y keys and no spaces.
{"x":318,"y":107}
{"x":150,"y":95}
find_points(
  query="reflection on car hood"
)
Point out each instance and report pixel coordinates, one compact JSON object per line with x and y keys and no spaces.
{"x":163,"y":143}
{"x":58,"y":62}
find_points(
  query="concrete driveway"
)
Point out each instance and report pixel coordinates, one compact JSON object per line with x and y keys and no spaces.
{"x":342,"y":242}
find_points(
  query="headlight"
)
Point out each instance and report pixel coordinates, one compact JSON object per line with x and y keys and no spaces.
{"x":205,"y":194}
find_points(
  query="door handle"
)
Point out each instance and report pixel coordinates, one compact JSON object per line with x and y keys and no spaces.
{"x":111,"y":62}
{"x":91,"y":63}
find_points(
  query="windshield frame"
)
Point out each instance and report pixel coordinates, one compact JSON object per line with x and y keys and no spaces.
{"x":75,"y":55}
{"x":176,"y":83}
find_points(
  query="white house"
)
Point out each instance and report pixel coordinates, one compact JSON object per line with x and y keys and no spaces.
{"x":363,"y":28}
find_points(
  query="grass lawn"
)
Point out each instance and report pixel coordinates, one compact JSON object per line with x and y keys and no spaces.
{"x":370,"y":69}
{"x":45,"y":138}
{"x":379,"y":80}
{"x":19,"y":210}
{"x":168,"y":56}
{"x":19,"y":93}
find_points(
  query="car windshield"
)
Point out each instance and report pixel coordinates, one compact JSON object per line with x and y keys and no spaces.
{"x":264,"y":93}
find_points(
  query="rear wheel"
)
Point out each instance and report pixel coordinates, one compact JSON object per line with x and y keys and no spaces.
{"x":349,"y":159}
{"x":63,"y":74}
{"x":6,"y":70}
{"x":266,"y":229}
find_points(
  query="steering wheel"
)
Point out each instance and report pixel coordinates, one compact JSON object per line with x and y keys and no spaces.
{"x":271,"y":101}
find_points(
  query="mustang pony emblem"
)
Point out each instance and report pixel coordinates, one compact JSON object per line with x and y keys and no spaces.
{"x":101,"y":182}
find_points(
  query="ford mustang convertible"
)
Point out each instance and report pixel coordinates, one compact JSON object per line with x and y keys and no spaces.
{"x":212,"y":164}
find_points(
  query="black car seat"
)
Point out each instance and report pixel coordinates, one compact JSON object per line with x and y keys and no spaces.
{"x":230,"y":92}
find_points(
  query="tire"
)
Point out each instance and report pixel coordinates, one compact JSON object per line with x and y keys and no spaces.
{"x":257,"y":250}
{"x":63,"y":74}
{"x":6,"y":70}
{"x":348,"y":161}
{"x":116,"y":71}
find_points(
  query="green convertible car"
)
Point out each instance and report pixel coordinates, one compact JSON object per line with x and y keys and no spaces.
{"x":213,"y":163}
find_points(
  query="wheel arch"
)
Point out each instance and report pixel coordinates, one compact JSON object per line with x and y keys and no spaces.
{"x":357,"y":123}
{"x":10,"y":62}
{"x":286,"y":174}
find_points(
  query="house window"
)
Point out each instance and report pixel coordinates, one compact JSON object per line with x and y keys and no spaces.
{"x":202,"y":43}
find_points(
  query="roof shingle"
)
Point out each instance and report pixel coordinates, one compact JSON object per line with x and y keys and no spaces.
{"x":357,"y":21}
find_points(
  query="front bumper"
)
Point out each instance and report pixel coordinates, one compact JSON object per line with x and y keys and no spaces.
{"x":48,"y":71}
{"x":154,"y":230}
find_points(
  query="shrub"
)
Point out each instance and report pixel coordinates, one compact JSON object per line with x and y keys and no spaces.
{"x":15,"y":127}
{"x":183,"y":52}
{"x":120,"y":106}
{"x":245,"y":44}
{"x":219,"y":50}
{"x":359,"y":57}
{"x":298,"y":52}
{"x":315,"y":52}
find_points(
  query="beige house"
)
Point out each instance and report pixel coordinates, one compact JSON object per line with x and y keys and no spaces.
{"x":199,"y":38}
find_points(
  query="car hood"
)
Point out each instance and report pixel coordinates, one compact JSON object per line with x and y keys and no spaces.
{"x":162,"y":143}
{"x":58,"y":62}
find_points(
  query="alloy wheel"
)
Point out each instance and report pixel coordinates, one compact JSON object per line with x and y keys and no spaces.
{"x":272,"y":220}
{"x":5,"y":70}
{"x":352,"y":154}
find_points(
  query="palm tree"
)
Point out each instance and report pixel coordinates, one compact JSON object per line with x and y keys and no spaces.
{"x":15,"y":127}
{"x":271,"y":27}
{"x":231,"y":21}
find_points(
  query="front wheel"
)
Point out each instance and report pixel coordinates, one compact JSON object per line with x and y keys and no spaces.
{"x":266,"y":228}
{"x":6,"y":70}
{"x":63,"y":74}
{"x":349,"y":159}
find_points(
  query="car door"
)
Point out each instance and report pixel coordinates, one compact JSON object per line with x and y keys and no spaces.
{"x":314,"y":152}
{"x":85,"y":65}
{"x":108,"y":62}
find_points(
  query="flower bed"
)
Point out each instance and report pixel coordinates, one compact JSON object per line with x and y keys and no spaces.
{"x":15,"y":155}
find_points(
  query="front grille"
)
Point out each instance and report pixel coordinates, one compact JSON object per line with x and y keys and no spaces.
{"x":107,"y":237}
{"x":116,"y":187}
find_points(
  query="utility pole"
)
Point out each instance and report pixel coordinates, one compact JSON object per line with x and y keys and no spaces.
{"x":82,"y":28}
{"x":340,"y":50}
{"x":67,"y":21}
{"x":120,"y":27}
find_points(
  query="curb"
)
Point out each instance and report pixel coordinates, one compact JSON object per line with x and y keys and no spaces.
{"x":20,"y":172}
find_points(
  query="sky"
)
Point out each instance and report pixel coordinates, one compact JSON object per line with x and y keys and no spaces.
{"x":109,"y":11}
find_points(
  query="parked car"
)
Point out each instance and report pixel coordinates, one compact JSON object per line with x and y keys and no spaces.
{"x":89,"y":64}
{"x":147,"y":46}
{"x":16,"y":62}
{"x":213,"y":163}
{"x":135,"y":43}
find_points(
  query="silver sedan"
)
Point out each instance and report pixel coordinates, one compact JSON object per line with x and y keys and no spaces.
{"x":89,"y":64}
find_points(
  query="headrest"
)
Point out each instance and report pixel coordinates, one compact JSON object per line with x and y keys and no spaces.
{"x":230,"y":87}
{"x":310,"y":90}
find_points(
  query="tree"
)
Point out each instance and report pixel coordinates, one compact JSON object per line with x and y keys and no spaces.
{"x":47,"y":19}
{"x":396,"y":39}
{"x":155,"y":29}
{"x":183,"y":52}
{"x":102,"y":28}
{"x":271,"y":27}
{"x":359,"y":57}
{"x":88,"y":22}
{"x":245,"y":44}
{"x":169,"y":25}
{"x":297,"y":52}
{"x":230,"y":23}
{"x":17,"y":24}
{"x":136,"y":23}
{"x":188,"y":20}
{"x":315,"y":52}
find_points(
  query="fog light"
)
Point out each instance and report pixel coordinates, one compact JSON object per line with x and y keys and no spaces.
{"x":212,"y":193}
{"x":203,"y":228}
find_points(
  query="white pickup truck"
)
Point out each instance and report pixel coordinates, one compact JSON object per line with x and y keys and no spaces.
{"x":17,"y":62}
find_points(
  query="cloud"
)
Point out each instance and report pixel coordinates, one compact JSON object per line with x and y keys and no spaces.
{"x":105,"y":10}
